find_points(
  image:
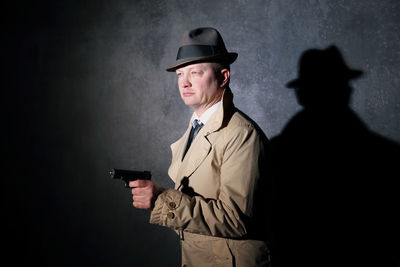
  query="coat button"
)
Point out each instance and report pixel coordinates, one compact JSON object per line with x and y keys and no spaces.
{"x":172,"y":205}
{"x":170,"y":215}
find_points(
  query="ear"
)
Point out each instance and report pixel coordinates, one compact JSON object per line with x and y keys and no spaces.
{"x":224,"y":77}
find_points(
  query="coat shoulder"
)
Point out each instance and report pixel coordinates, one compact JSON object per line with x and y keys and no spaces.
{"x":242,"y":122}
{"x":239,"y":119}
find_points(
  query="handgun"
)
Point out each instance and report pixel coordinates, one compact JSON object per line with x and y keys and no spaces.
{"x":128,"y":175}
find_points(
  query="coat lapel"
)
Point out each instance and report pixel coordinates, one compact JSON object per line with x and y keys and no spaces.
{"x":197,"y":152}
{"x":177,"y":149}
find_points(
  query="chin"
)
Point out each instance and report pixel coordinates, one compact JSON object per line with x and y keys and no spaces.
{"x":188,"y":102}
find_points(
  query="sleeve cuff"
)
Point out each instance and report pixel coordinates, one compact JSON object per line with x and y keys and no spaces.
{"x":164,"y":211}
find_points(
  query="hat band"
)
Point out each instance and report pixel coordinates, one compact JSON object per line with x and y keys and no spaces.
{"x":189,"y":51}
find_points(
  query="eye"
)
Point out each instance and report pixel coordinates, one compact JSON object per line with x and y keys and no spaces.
{"x":179,"y":74}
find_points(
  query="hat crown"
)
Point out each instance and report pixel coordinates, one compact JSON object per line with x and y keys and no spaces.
{"x":203,"y":36}
{"x":202,"y":45}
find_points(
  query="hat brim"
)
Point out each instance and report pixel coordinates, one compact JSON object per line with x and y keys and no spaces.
{"x":300,"y":82}
{"x":227,"y":58}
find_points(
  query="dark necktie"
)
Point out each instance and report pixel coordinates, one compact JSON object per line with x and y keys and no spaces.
{"x":193,"y":132}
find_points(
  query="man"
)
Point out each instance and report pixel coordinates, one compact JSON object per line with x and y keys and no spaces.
{"x":213,"y":206}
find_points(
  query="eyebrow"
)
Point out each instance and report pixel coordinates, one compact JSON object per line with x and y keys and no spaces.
{"x":196,"y":68}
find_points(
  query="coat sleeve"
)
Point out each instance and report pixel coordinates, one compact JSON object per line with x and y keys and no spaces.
{"x":226,"y":215}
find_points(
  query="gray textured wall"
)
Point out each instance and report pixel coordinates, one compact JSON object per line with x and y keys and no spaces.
{"x":86,"y":91}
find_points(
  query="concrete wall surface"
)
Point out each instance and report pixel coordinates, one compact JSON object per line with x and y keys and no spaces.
{"x":86,"y":90}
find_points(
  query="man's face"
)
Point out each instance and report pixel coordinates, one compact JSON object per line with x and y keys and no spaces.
{"x":199,"y":86}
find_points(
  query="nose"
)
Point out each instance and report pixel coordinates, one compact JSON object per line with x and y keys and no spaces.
{"x":185,"y":82}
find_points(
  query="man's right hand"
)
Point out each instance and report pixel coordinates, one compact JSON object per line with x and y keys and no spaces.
{"x":145,"y":193}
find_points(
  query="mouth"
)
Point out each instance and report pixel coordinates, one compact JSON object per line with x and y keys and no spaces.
{"x":186,"y":94}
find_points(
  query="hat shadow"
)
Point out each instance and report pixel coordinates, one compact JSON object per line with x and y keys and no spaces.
{"x":334,"y":181}
{"x":323,"y":79}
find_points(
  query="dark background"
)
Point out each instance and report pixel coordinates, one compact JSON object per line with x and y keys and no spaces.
{"x":84,"y":90}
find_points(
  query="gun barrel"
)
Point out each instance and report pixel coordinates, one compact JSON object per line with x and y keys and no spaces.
{"x":129,"y":175}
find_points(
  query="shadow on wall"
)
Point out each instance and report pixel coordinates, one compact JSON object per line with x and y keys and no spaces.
{"x":336,"y":200}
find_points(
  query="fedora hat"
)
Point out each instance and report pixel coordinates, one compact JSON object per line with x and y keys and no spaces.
{"x":321,"y":67}
{"x":202,"y":45}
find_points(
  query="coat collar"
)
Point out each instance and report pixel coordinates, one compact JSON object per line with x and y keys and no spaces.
{"x":221,"y":117}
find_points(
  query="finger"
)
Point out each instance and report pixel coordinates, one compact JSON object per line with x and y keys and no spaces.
{"x":141,"y":198}
{"x":140,"y":203}
{"x":137,"y":198}
{"x":139,"y":183}
{"x":141,"y":191}
{"x":137,"y":205}
{"x":136,"y":191}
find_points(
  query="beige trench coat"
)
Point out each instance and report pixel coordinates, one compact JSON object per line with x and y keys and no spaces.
{"x":214,"y":191}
